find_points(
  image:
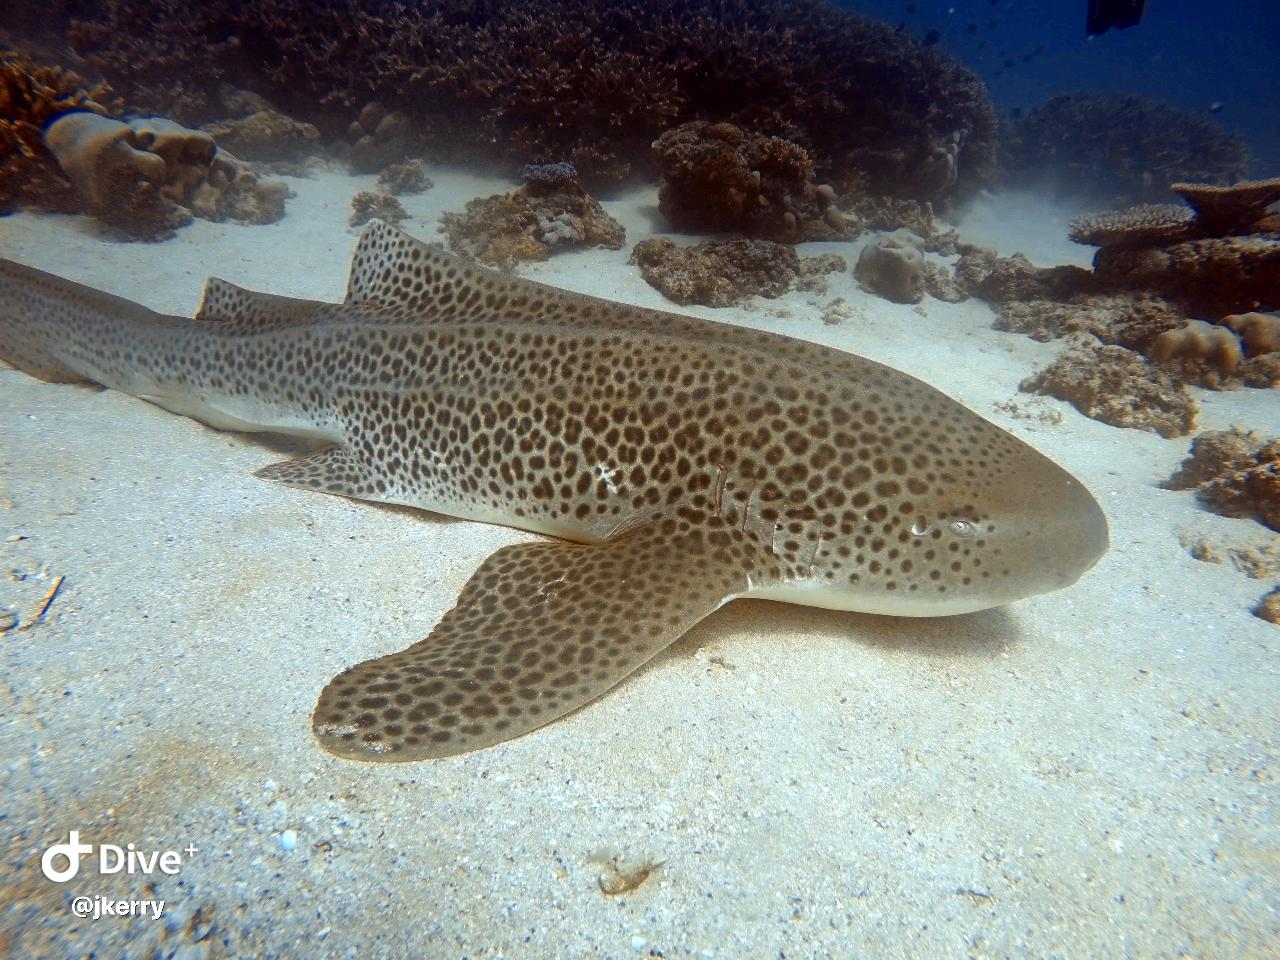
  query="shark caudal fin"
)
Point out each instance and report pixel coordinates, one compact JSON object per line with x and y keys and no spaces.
{"x":35,"y":308}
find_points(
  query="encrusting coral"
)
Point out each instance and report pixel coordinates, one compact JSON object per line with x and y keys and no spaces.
{"x":31,"y":96}
{"x":722,"y":273}
{"x":717,"y":176}
{"x":530,"y":223}
{"x":588,"y":81}
{"x":1235,"y":473}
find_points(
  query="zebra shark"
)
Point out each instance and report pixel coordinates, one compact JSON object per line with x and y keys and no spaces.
{"x":677,"y":462}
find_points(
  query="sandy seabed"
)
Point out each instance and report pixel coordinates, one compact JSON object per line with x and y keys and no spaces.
{"x":1089,"y":773}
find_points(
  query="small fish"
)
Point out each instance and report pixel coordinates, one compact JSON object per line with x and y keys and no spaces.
{"x":678,"y":463}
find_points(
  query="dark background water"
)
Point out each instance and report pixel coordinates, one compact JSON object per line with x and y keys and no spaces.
{"x":1191,"y":53}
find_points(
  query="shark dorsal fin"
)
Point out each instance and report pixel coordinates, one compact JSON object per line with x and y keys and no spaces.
{"x":224,"y":302}
{"x":392,"y":269}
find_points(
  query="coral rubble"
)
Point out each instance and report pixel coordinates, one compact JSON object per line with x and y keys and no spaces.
{"x":721,"y":273}
{"x":1235,"y":473}
{"x":587,"y":81}
{"x":1119,"y":387}
{"x":530,"y":222}
{"x":838,"y":311}
{"x":717,"y":176}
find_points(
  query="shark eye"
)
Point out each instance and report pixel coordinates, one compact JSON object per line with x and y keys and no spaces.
{"x":921,"y":526}
{"x":962,"y":528}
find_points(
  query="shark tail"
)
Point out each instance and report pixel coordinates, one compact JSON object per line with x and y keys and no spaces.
{"x":43,"y":318}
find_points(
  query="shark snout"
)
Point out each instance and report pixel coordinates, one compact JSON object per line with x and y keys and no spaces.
{"x":1065,"y":533}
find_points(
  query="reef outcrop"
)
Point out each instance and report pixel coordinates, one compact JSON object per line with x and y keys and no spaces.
{"x":1117,"y":386}
{"x":148,"y":176}
{"x":723,"y":273}
{"x":1191,"y":290}
{"x":531,"y":222}
{"x":592,"y":82}
{"x":1115,"y":144}
{"x":1222,"y":259}
{"x":717,"y":176}
{"x":1235,"y":473}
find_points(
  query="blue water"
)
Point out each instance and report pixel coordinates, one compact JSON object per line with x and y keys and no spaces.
{"x":1191,"y":53}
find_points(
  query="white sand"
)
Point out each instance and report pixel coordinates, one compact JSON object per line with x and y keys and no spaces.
{"x":1090,"y":773}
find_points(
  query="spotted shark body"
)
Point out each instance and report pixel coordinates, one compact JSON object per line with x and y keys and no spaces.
{"x":678,"y":462}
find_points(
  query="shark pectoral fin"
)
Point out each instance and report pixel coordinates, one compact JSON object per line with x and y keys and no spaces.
{"x":334,"y":470}
{"x":539,"y":630}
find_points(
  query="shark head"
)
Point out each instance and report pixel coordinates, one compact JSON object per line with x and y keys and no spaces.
{"x":946,"y":513}
{"x":1023,"y":527}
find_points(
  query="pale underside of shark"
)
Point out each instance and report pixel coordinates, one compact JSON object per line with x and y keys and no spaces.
{"x":678,"y":462}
